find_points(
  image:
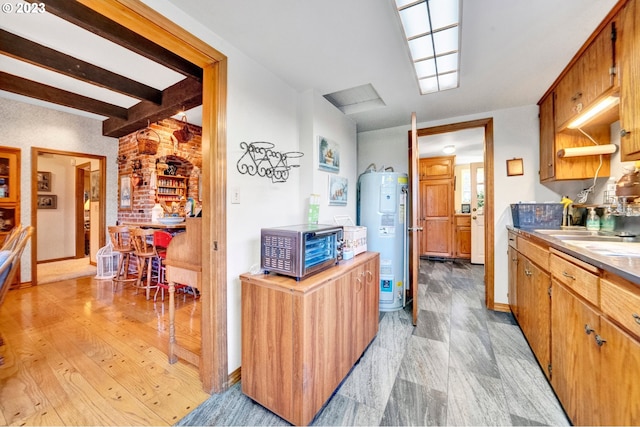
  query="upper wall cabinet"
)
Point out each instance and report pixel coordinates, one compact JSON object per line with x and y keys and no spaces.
{"x":590,"y":78}
{"x":629,"y":40}
{"x":437,"y":167}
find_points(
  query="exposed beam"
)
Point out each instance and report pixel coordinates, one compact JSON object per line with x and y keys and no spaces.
{"x":183,"y":95}
{"x":42,"y":56}
{"x":32,"y":89}
{"x":94,"y":22}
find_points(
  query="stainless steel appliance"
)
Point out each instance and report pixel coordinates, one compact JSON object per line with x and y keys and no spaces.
{"x":300,"y":250}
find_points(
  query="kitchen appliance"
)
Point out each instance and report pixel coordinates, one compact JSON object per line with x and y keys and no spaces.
{"x":300,"y":250}
{"x":382,"y":208}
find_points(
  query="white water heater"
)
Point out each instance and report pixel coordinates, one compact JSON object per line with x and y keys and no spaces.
{"x":382,"y":208}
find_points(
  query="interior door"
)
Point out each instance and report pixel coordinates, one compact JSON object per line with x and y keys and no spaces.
{"x":477,"y":213}
{"x":413,"y":229}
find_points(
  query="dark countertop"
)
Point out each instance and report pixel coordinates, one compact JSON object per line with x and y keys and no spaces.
{"x":627,"y":267}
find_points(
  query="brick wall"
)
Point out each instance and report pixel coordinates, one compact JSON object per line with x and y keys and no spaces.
{"x":185,"y":156}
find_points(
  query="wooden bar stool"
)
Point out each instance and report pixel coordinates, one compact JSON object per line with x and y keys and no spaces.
{"x":121,"y":242}
{"x":144,"y":249}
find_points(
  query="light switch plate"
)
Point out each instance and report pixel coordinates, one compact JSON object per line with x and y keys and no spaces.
{"x":235,"y":195}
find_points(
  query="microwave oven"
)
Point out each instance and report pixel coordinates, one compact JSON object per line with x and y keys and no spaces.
{"x":300,"y":250}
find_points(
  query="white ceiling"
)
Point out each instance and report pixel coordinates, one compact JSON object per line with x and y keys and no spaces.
{"x":511,"y":50}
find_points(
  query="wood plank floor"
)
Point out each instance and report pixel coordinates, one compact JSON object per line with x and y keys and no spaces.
{"x":76,"y":353}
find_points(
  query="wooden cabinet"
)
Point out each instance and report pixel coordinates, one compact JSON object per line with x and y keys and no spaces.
{"x":533,"y":299}
{"x":512,"y":254}
{"x":9,"y":191}
{"x":463,"y":236}
{"x":589,"y":78}
{"x":171,"y":188}
{"x":437,"y":167}
{"x":590,"y":328}
{"x":436,"y":217}
{"x":301,"y":338}
{"x":629,"y":41}
{"x":553,"y":168}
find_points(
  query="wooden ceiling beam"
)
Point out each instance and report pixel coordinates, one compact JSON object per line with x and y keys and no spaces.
{"x":183,"y":95}
{"x":42,"y":56}
{"x":84,"y":17}
{"x":32,"y":89}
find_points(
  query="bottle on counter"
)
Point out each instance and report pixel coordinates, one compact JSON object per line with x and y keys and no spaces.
{"x":593,"y":220}
{"x":156,"y":212}
{"x":607,"y":222}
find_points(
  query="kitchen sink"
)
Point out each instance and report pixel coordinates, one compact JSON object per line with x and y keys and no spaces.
{"x":608,"y":248}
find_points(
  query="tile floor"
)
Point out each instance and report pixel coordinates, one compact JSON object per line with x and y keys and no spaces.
{"x":462,"y":365}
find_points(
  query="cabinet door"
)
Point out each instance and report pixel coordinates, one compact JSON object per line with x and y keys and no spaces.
{"x":437,"y":167}
{"x":629,"y":39}
{"x":372,"y":300}
{"x":575,"y":356}
{"x":547,"y":139}
{"x":513,"y":281}
{"x":619,"y":402}
{"x":463,"y":242}
{"x":534,"y":307}
{"x":436,"y":197}
{"x":9,"y":176}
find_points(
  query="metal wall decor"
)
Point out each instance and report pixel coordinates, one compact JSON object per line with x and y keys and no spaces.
{"x":260,"y":159}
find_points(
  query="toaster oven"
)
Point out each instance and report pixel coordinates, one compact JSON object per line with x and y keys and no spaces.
{"x":300,"y":250}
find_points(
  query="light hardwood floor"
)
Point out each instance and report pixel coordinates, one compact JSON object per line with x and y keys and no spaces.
{"x":76,"y":353}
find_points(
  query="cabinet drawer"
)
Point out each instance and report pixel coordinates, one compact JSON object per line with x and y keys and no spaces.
{"x":463,"y":221}
{"x":513,"y":239}
{"x":621,"y":302}
{"x":581,"y":281}
{"x":537,"y":254}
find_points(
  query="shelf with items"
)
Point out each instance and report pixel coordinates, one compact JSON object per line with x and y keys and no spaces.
{"x":8,"y":175}
{"x":171,"y":188}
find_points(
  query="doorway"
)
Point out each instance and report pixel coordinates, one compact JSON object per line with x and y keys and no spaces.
{"x":488,"y":220}
{"x":78,"y":210}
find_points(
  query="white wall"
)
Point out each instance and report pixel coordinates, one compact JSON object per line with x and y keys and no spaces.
{"x":25,"y":125}
{"x":516,"y":134}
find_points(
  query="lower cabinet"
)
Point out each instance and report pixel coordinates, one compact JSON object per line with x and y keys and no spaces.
{"x":463,"y":236}
{"x":301,"y":338}
{"x":587,"y":332}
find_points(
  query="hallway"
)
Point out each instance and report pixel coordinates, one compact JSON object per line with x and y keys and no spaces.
{"x":462,"y":365}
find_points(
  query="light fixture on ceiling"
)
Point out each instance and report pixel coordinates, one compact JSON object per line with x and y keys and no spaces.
{"x":590,"y":113}
{"x":432,"y":32}
{"x":449,"y":149}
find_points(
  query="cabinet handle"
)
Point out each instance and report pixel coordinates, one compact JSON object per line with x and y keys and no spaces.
{"x":588,"y":329}
{"x":624,"y":132}
{"x":527,"y":272}
{"x":369,"y":276}
{"x":549,"y":164}
{"x":577,"y":96}
{"x":565,"y":274}
{"x":637,"y":318}
{"x":599,"y":340}
{"x":514,"y":259}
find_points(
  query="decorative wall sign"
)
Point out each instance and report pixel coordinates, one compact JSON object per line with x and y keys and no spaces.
{"x":328,"y":155}
{"x":44,"y":181}
{"x":47,"y":201}
{"x":338,"y":187}
{"x":259,"y":159}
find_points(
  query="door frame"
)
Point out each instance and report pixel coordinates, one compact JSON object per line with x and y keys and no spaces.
{"x":81,"y":178}
{"x":487,"y":124}
{"x":35,"y":153}
{"x":147,"y":22}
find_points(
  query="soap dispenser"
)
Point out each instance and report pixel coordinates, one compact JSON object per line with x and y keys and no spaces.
{"x":608,"y":222}
{"x":593,"y":220}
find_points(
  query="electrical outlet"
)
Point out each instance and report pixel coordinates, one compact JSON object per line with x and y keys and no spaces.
{"x":235,"y":196}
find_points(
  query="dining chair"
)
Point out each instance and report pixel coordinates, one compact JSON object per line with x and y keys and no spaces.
{"x":162,"y":239}
{"x":121,"y":242}
{"x":144,"y":248}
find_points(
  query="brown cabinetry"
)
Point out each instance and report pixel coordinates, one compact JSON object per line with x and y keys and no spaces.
{"x":463,"y":236}
{"x":301,"y":338}
{"x":513,"y":274}
{"x":9,"y":190}
{"x":437,"y":167}
{"x":590,"y":78}
{"x":629,"y":40}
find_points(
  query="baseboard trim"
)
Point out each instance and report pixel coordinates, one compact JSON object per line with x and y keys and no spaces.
{"x":499,"y":306}
{"x":235,"y":376}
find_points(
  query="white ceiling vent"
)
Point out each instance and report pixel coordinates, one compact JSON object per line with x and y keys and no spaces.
{"x":356,"y":100}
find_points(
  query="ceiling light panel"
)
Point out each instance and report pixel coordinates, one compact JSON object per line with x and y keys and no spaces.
{"x":432,"y":32}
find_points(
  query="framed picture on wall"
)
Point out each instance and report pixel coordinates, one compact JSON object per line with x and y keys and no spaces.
{"x":338,"y":187}
{"x":126,"y":192}
{"x":95,"y":186}
{"x":328,"y":155}
{"x":47,"y":201}
{"x":44,"y":181}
